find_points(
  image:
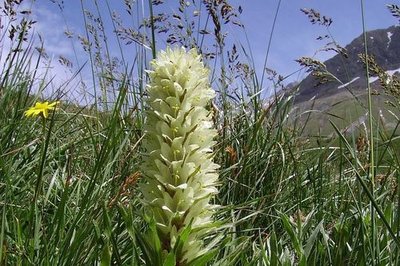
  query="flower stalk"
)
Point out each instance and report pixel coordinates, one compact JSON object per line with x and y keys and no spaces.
{"x":181,"y":176}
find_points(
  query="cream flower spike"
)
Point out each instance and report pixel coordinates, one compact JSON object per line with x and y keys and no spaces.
{"x":180,"y":175}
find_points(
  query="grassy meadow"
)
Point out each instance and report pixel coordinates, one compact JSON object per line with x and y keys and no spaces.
{"x":288,"y":194}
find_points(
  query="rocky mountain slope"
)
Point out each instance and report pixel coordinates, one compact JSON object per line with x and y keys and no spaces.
{"x":343,"y":99}
{"x":383,"y":44}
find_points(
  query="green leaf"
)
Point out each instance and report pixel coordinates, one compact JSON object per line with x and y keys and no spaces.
{"x":150,"y":244}
{"x":311,"y":240}
{"x":182,"y":238}
{"x":154,"y":238}
{"x":303,"y":260}
{"x":204,"y":259}
{"x":105,"y":259}
{"x":107,"y":229}
{"x":274,"y":249}
{"x":289,"y":229}
{"x":170,"y":260}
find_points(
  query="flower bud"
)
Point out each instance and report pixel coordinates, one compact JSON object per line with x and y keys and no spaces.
{"x":180,"y":174}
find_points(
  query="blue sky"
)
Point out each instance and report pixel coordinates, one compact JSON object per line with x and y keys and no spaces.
{"x":294,"y":36}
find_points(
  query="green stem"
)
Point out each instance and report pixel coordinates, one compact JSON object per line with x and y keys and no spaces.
{"x":43,"y":158}
{"x":153,"y":37}
{"x":375,"y":257}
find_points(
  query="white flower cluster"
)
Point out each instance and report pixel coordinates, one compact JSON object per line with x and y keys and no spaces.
{"x":179,"y":170}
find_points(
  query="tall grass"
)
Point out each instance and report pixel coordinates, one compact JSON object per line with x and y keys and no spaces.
{"x":68,"y":186}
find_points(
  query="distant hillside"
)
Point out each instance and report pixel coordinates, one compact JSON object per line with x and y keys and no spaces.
{"x":345,"y":102}
{"x":383,"y":44}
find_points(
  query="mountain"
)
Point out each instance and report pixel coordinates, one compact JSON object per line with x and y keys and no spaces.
{"x":343,"y":100}
{"x":383,"y":44}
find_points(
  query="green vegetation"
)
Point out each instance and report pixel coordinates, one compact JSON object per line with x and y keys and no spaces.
{"x":69,"y":191}
{"x":349,"y":113}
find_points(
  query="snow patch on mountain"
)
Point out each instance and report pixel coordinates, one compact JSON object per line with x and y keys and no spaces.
{"x":348,"y":83}
{"x":372,"y":79}
{"x":389,"y":72}
{"x":389,"y":35}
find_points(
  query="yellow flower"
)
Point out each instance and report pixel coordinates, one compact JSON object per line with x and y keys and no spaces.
{"x":41,"y":108}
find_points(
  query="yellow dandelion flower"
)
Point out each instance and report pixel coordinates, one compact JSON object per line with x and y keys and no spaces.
{"x":41,"y":109}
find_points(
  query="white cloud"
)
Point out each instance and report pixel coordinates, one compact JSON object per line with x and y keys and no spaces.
{"x":49,"y":28}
